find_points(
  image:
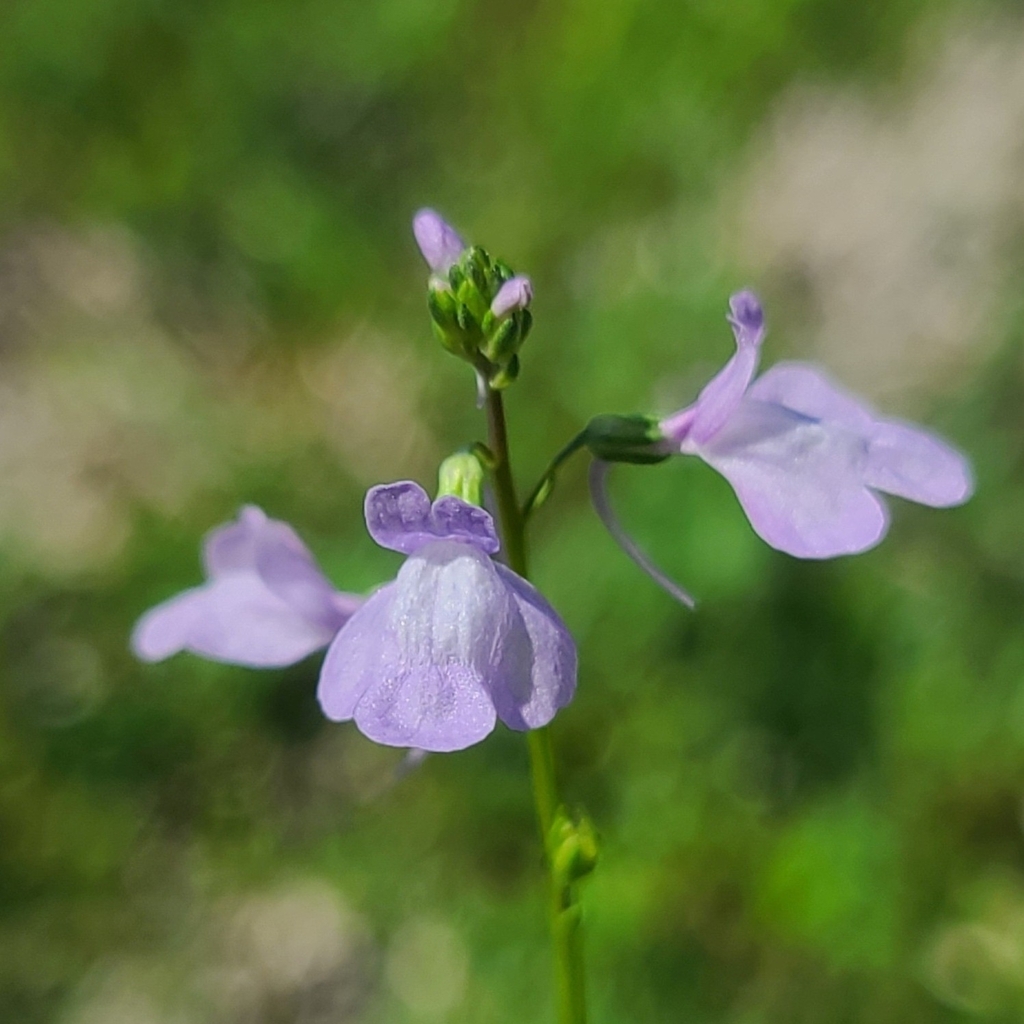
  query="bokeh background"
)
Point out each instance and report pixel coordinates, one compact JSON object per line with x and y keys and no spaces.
{"x":810,"y":792}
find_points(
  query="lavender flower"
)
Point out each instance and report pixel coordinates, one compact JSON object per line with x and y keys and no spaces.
{"x":265,"y":603}
{"x":455,"y":642}
{"x":806,"y":459}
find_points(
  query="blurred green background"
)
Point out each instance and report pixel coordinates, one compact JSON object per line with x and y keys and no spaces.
{"x":810,"y":792}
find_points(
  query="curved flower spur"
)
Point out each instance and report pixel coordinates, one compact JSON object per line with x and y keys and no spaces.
{"x":457,"y":641}
{"x":806,"y":459}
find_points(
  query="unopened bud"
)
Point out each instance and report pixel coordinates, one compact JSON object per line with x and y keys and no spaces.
{"x":444,"y":313}
{"x":439,"y":242}
{"x":462,"y":475}
{"x":514,"y":295}
{"x":573,"y":848}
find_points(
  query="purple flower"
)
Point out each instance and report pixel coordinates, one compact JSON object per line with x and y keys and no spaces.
{"x":455,"y":642}
{"x":805,"y":458}
{"x":438,"y":241}
{"x":265,"y":603}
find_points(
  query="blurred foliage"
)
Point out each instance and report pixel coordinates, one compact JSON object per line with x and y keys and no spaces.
{"x":809,"y":792}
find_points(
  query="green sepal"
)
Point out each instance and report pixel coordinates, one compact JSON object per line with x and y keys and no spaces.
{"x":477,"y":265}
{"x":635,"y":439}
{"x":503,"y":272}
{"x":453,"y":340}
{"x":443,"y":308}
{"x":503,"y":341}
{"x":505,"y":375}
{"x":466,"y":320}
{"x":456,"y":276}
{"x":525,"y":318}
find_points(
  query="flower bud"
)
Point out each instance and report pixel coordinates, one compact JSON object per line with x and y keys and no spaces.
{"x":573,"y":848}
{"x":636,"y":439}
{"x":439,"y":242}
{"x":444,"y":313}
{"x":462,"y":475}
{"x":514,"y":295}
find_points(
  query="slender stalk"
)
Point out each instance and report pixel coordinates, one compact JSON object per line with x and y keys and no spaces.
{"x":510,"y":519}
{"x":565,"y":911}
{"x":547,"y":480}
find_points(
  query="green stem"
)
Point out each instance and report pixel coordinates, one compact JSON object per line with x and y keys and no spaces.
{"x":510,"y":518}
{"x":565,"y":910}
{"x":547,"y":480}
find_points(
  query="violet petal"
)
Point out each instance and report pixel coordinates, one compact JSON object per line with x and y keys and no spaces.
{"x":287,"y":568}
{"x":806,"y":389}
{"x":724,"y":392}
{"x":354,"y":657}
{"x":450,"y":623}
{"x":913,"y":463}
{"x":400,"y":517}
{"x":439,"y":242}
{"x":232,"y":546}
{"x":513,"y":295}
{"x":266,"y":603}
{"x":799,"y":480}
{"x":234,"y":618}
{"x":902,"y":459}
{"x":535,"y":686}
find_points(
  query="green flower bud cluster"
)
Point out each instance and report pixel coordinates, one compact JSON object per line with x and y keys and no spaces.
{"x":466,"y":322}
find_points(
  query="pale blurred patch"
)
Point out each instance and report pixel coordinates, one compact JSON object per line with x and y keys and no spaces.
{"x":59,"y":682}
{"x":428,"y":967}
{"x":368,"y":393}
{"x":122,"y":992}
{"x":892,"y":221}
{"x":343,"y":766}
{"x":977,"y":965}
{"x":296,"y":952}
{"x":103,"y":408}
{"x":95,"y":400}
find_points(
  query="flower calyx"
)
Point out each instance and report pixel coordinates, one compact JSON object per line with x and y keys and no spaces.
{"x":636,"y":439}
